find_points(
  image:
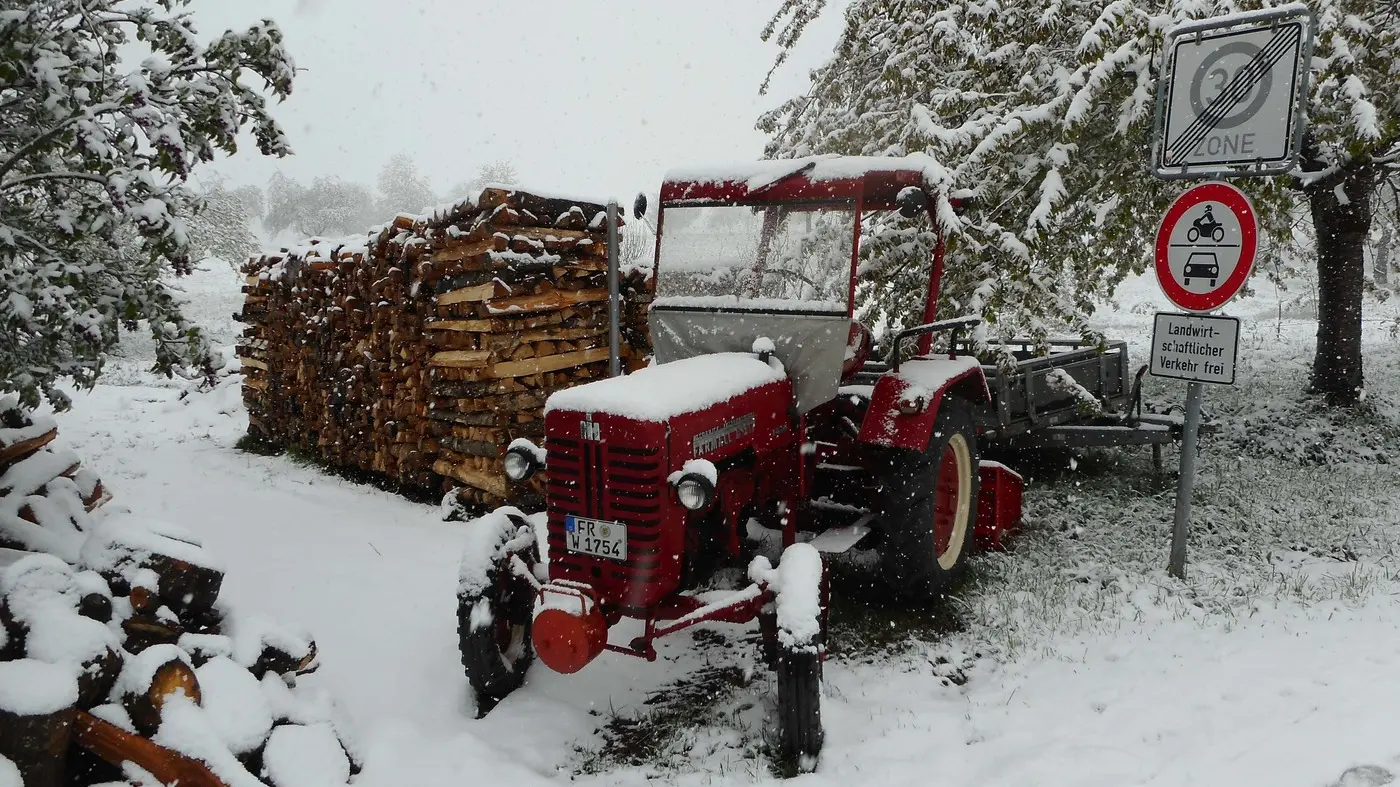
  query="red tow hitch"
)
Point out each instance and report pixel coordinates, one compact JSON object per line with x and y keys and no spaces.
{"x":570,"y":630}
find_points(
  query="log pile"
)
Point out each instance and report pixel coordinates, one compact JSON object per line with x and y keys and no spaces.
{"x":420,"y":351}
{"x":114,"y":647}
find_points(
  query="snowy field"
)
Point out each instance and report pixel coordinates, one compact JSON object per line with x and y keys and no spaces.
{"x":1073,"y":660}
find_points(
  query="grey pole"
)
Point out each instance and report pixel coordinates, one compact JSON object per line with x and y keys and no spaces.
{"x":614,"y":340}
{"x":1176,"y":565}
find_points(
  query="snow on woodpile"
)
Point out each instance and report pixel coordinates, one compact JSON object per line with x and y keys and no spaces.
{"x":420,"y":351}
{"x":111,"y":623}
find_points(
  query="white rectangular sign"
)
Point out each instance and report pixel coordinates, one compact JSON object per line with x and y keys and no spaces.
{"x":1192,"y":347}
{"x":1233,"y":94}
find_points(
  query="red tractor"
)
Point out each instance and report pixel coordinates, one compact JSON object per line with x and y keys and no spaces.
{"x":761,"y":404}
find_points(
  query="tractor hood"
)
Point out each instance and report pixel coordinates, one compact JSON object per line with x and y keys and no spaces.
{"x":810,"y":342}
{"x":661,"y":393}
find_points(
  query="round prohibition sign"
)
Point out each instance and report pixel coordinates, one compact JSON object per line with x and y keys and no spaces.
{"x":1175,"y":284}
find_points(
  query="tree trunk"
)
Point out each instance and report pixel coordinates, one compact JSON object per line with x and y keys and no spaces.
{"x":1381,"y":264}
{"x":1341,"y":216}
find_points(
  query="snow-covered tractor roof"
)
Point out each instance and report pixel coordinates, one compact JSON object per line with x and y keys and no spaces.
{"x":876,"y":180}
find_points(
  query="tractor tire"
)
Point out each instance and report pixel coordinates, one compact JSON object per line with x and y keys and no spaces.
{"x":800,"y":733}
{"x":928,"y":507}
{"x":493,"y":628}
{"x":798,"y":654}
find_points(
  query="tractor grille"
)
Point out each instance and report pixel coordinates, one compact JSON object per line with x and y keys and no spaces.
{"x":614,"y":483}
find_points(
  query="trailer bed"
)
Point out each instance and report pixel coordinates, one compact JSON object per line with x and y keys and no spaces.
{"x":1080,"y":395}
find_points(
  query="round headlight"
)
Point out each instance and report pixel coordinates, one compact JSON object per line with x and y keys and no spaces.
{"x":520,"y":465}
{"x":694,"y":492}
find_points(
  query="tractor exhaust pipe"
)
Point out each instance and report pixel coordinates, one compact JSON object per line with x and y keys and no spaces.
{"x":614,"y":338}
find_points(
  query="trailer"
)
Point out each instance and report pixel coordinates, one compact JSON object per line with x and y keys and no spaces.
{"x":765,"y":403}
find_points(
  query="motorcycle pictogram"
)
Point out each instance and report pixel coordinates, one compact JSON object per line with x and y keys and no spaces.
{"x":1205,"y":226}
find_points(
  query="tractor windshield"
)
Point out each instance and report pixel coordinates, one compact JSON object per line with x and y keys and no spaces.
{"x":764,"y":257}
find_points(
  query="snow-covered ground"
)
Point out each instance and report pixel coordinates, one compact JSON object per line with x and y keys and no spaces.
{"x":1078,"y":661}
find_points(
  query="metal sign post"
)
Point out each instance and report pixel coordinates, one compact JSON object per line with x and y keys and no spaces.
{"x":1176,"y":561}
{"x":614,"y":340}
{"x":1202,"y":350}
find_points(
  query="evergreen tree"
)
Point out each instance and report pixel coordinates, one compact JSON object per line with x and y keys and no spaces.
{"x":94,"y":157}
{"x":1042,"y":114}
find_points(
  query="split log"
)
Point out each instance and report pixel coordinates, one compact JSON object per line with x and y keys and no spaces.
{"x":98,"y":677}
{"x":172,"y":676}
{"x":19,"y":450}
{"x":144,"y":631}
{"x":276,"y":661}
{"x":116,"y":746}
{"x":97,"y":606}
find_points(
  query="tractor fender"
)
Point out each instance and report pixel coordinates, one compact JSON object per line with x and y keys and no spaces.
{"x":929,"y":379}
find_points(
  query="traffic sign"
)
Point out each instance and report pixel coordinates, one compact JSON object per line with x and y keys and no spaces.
{"x":1194,"y":347}
{"x":1231,"y":100}
{"x":1206,"y":246}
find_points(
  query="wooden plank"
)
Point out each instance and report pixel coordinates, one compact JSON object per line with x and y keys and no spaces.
{"x":545,"y":301}
{"x":481,"y":292}
{"x":549,"y":363}
{"x":487,"y":482}
{"x":477,"y":326}
{"x":253,"y":382}
{"x":248,"y":360}
{"x":460,"y":359}
{"x":460,"y":252}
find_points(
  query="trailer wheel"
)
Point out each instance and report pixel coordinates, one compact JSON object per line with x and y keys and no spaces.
{"x":928,"y":506}
{"x":494,"y":621}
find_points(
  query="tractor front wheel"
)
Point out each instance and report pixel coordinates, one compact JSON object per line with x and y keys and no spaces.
{"x":495,"y":607}
{"x":796,"y":622}
{"x":928,"y":507}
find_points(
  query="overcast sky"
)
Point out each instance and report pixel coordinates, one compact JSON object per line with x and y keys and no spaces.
{"x":593,"y":98}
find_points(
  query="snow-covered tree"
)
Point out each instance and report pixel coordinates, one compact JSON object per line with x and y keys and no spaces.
{"x":1042,"y":113}
{"x":500,"y":172}
{"x":402,"y":188}
{"x":95,"y":151}
{"x":329,"y":206}
{"x":222,"y":226}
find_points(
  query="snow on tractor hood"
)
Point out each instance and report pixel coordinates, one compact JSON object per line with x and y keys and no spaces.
{"x":811,"y":345}
{"x":659,"y":393}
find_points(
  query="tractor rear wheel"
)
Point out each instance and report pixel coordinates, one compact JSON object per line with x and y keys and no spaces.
{"x":928,"y":507}
{"x":494,"y":618}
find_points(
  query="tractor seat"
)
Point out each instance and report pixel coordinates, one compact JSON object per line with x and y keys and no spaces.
{"x":858,"y":345}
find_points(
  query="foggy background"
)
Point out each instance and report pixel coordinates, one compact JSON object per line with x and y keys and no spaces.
{"x":596,"y":99}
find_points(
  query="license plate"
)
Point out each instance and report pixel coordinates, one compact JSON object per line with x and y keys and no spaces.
{"x":596,"y":537}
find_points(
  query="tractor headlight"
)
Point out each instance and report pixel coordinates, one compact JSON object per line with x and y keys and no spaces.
{"x":521,"y":462}
{"x":695,"y":491}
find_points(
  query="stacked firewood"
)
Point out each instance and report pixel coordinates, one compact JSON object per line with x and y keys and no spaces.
{"x":421,"y":351}
{"x":114,"y":647}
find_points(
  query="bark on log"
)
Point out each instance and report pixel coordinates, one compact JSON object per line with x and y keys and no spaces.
{"x":38,"y":746}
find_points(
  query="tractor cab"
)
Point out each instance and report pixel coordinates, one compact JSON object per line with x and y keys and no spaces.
{"x":770,"y":252}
